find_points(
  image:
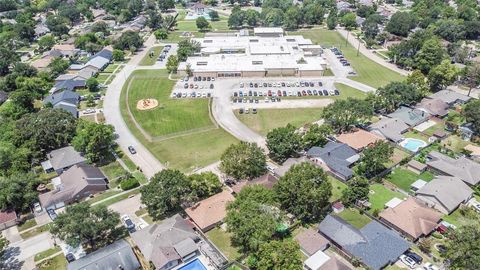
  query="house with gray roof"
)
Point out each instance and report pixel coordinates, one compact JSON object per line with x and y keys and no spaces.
{"x":98,"y":63}
{"x":445,"y":193}
{"x":464,"y":168}
{"x":168,"y":243}
{"x":409,"y":116}
{"x":374,"y":244}
{"x":64,"y":96}
{"x":68,"y":107}
{"x":61,"y":159}
{"x":335,"y":158}
{"x":282,"y":170}
{"x":69,"y":85}
{"x":450,"y":97}
{"x":390,"y":128}
{"x":75,"y":184}
{"x":116,"y":256}
{"x":105,"y":53}
{"x":434,"y":106}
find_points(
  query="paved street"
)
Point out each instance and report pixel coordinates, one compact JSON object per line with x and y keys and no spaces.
{"x":19,"y":255}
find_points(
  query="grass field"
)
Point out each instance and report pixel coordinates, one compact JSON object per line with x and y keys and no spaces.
{"x":381,"y":195}
{"x":149,"y":61}
{"x":49,"y":252}
{"x":403,"y":178}
{"x":352,"y":216}
{"x":221,"y":239}
{"x":172,"y":115}
{"x":183,"y":152}
{"x":337,"y":188}
{"x":191,"y":26}
{"x":369,"y":72}
{"x":27,"y":225}
{"x":268,"y":119}
{"x":56,"y":263}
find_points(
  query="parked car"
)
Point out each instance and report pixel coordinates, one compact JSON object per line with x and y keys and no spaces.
{"x":240,"y":111}
{"x":336,"y":92}
{"x":429,"y":266}
{"x":417,"y":258}
{"x":325,"y":92}
{"x":52,"y":214}
{"x":70,"y":257}
{"x":408,"y":261}
{"x":211,"y":86}
{"x":235,"y":94}
{"x":37,"y":207}
{"x":128,"y":222}
{"x":132,"y":150}
{"x":476,"y":206}
{"x":254,"y":110}
{"x":241,"y":85}
{"x":315,"y":92}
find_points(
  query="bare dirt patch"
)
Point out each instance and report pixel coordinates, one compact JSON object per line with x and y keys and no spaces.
{"x":147,"y":104}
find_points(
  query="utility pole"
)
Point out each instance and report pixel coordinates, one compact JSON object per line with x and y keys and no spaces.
{"x":358,"y":48}
{"x":346,"y":40}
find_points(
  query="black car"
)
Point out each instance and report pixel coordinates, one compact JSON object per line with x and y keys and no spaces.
{"x":52,"y":214}
{"x":320,"y":93}
{"x":132,"y":150}
{"x":230,"y":182}
{"x":250,"y":93}
{"x":235,"y":94}
{"x":299,"y":94}
{"x":320,"y":84}
{"x":209,"y":94}
{"x":283,"y":84}
{"x":194,"y":79}
{"x":255,"y":85}
{"x":336,"y":92}
{"x":185,"y":86}
{"x":265,"y":84}
{"x":312,"y":84}
{"x":251,"y":101}
{"x":255,"y":93}
{"x":208,"y":79}
{"x":315,"y":93}
{"x":254,"y":111}
{"x":417,"y":258}
{"x":211,"y":86}
{"x":70,"y":258}
{"x":284,"y":93}
{"x":240,"y":111}
{"x":251,"y":85}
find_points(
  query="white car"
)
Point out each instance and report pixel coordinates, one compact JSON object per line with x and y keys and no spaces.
{"x":174,"y":95}
{"x":476,"y":206}
{"x":429,"y":266}
{"x":408,"y":261}
{"x":89,"y":111}
{"x":37,"y":207}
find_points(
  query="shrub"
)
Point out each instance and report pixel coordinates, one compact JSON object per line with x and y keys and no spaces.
{"x":129,"y":184}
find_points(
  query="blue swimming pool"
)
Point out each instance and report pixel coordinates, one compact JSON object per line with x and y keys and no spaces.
{"x":193,"y":265}
{"x":413,"y":144}
{"x":194,"y":16}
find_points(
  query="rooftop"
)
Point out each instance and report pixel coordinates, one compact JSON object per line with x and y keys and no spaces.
{"x":358,"y":139}
{"x":337,"y":156}
{"x":409,"y":116}
{"x":64,"y":157}
{"x":266,"y":180}
{"x":210,"y":211}
{"x":462,"y":167}
{"x":390,"y":128}
{"x":450,"y":96}
{"x":311,"y":241}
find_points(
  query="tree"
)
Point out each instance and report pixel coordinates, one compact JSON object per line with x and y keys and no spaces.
{"x":202,"y":23}
{"x":46,"y":42}
{"x":165,"y":5}
{"x":332,"y":20}
{"x":118,"y":55}
{"x":370,"y":28}
{"x":401,"y":23}
{"x":430,"y":55}
{"x":213,"y":14}
{"x":100,"y":27}
{"x":316,"y":135}
{"x":243,"y":161}
{"x":7,"y":58}
{"x":58,"y":66}
{"x":279,"y":255}
{"x":252,"y":17}
{"x":358,"y":189}
{"x":172,"y":64}
{"x":463,"y":247}
{"x":165,"y":193}
{"x":155,"y":19}
{"x":204,"y":185}
{"x":161,"y":34}
{"x":349,"y":20}
{"x":304,"y":191}
{"x":23,"y":99}
{"x":472,"y":76}
{"x":472,"y":114}
{"x":94,"y":140}
{"x":419,"y":81}
{"x":3,"y":245}
{"x":313,"y":13}
{"x":395,"y":94}
{"x":14,"y":159}
{"x":46,"y":130}
{"x":187,"y":48}
{"x":235,"y":20}
{"x":92,"y":84}
{"x":252,"y":218}
{"x":18,"y":191}
{"x":82,"y":224}
{"x":442,"y":75}
{"x":273,"y":17}
{"x":57,"y":25}
{"x":283,"y":142}
{"x":450,"y":30}
{"x":374,"y":158}
{"x":365,"y":11}
{"x":129,"y":40}
{"x":292,"y":18}
{"x":347,"y":113}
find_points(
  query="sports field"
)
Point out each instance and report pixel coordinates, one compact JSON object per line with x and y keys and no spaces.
{"x":368,"y":71}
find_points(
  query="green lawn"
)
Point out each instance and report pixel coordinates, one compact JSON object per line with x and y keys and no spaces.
{"x":455,"y":143}
{"x":149,"y":61}
{"x":337,"y":188}
{"x":328,"y":72}
{"x":35,"y":232}
{"x":49,"y":252}
{"x":403,"y":178}
{"x":172,"y":115}
{"x":416,"y":135}
{"x":119,"y":198}
{"x":103,"y":196}
{"x":398,"y":155}
{"x":381,"y":196}
{"x":191,"y":26}
{"x":184,"y":152}
{"x":352,"y":216}
{"x":369,"y":72}
{"x":268,"y":119}
{"x":27,"y":225}
{"x":438,"y":127}
{"x":175,"y":37}
{"x":221,"y":239}
{"x":110,"y":68}
{"x":102,"y":78}
{"x":113,"y":170}
{"x":56,"y":263}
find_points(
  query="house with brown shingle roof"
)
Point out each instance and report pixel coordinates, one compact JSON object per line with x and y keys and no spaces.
{"x":434,"y":106}
{"x":8,"y":219}
{"x":359,"y":139}
{"x":266,"y":180}
{"x":411,"y":218}
{"x":211,"y":211}
{"x":311,"y":241}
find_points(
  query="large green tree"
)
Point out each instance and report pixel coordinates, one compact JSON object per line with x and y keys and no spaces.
{"x":204,"y":185}
{"x":243,"y":161}
{"x":129,"y":40}
{"x":82,"y":224}
{"x":283,"y":143}
{"x":316,"y":135}
{"x":472,"y":114}
{"x":94,"y":140}
{"x":358,"y":189}
{"x":202,"y":24}
{"x":401,"y":23}
{"x":442,"y":75}
{"x":463,"y":247}
{"x":279,"y":255}
{"x":304,"y":191}
{"x":374,"y":158}
{"x":395,"y":94}
{"x":430,"y":55}
{"x":18,"y":191}
{"x":344,"y":114}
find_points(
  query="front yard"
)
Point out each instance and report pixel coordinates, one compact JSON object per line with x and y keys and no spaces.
{"x":56,"y":263}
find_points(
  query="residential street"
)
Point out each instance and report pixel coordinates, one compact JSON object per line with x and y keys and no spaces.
{"x":19,"y":255}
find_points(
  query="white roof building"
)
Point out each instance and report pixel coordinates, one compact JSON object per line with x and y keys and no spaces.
{"x":316,"y":260}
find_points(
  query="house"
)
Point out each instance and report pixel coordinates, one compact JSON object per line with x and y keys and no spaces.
{"x":335,"y":158}
{"x":75,"y":184}
{"x":69,"y":85}
{"x":198,"y":8}
{"x":61,"y":159}
{"x":439,"y":134}
{"x":42,"y":64}
{"x":98,"y":63}
{"x":87,"y":72}
{"x":374,"y":244}
{"x":392,"y":203}
{"x":322,"y":261}
{"x":434,"y":106}
{"x":266,"y":180}
{"x":466,"y":131}
{"x":64,"y":50}
{"x":68,"y":107}
{"x":359,"y":139}
{"x":105,"y":53}
{"x":450,"y":97}
{"x":338,"y":207}
{"x":462,"y":167}
{"x":444,"y":193}
{"x":409,"y":116}
{"x":66,"y":100}
{"x":8,"y":219}
{"x":311,"y":241}
{"x":390,"y":128}
{"x":3,"y":97}
{"x":211,"y":211}
{"x":473,"y":150}
{"x":118,"y":255}
{"x":98,"y":13}
{"x":169,"y":243}
{"x":40,"y":30}
{"x":282,"y":170}
{"x":411,"y":218}
{"x":416,"y":167}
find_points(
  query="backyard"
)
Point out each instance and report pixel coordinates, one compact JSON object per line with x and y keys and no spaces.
{"x":353,"y":216}
{"x":221,"y":239}
{"x":379,"y":195}
{"x":403,"y":178}
{"x":337,"y":188}
{"x":369,"y":72}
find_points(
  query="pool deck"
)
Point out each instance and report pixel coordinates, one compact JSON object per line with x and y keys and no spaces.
{"x":204,"y":260}
{"x":406,"y":141}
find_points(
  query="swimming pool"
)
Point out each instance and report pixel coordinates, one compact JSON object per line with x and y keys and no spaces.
{"x":194,"y":16}
{"x":193,"y":265}
{"x":413,"y":144}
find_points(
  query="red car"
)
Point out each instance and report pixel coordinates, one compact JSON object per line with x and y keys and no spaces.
{"x":279,"y":93}
{"x":269,"y":93}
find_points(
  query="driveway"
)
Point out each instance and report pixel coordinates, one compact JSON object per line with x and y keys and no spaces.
{"x":128,"y":207}
{"x":19,"y":255}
